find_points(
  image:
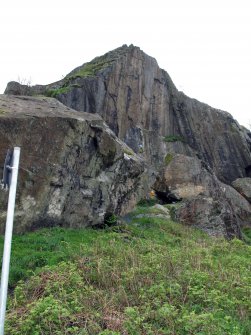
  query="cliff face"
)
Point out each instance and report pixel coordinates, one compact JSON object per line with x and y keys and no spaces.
{"x":140,"y":103}
{"x":73,"y":169}
{"x":173,"y":134}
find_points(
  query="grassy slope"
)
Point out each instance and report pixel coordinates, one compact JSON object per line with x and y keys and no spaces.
{"x":148,"y":277}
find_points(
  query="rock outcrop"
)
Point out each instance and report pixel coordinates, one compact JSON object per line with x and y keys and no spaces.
{"x":140,"y":103}
{"x":192,"y":152}
{"x":74,"y":171}
{"x":203,"y":200}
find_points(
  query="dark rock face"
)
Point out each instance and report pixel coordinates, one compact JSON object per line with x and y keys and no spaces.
{"x":140,"y":103}
{"x":206,"y":202}
{"x":191,"y":150}
{"x":74,"y":171}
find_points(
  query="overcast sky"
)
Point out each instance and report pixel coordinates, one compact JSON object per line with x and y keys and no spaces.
{"x":205,"y":45}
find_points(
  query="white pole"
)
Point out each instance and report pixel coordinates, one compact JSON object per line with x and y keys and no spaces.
{"x":8,"y":238}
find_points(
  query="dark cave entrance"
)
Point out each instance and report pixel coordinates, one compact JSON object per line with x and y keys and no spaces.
{"x":166,"y":198}
{"x":248,"y":171}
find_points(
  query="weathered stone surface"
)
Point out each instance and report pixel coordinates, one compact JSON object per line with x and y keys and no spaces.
{"x":205,"y":201}
{"x":140,"y":103}
{"x":243,"y":186}
{"x":74,"y":171}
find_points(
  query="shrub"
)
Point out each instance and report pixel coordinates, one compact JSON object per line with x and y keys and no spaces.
{"x":110,"y":219}
{"x":55,"y":92}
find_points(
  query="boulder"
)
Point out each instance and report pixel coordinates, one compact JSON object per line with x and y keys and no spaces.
{"x":243,"y":186}
{"x":74,"y":171}
{"x":204,"y":201}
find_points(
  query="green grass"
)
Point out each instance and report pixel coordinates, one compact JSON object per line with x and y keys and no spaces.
{"x":247,"y":235}
{"x":90,"y":69}
{"x":147,"y":203}
{"x":55,"y":92}
{"x":151,"y":277}
{"x":32,"y":251}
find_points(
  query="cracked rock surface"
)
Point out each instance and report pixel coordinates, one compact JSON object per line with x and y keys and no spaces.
{"x":74,"y":171}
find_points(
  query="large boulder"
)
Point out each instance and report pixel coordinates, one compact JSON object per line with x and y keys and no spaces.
{"x":243,"y":186}
{"x":204,"y":201}
{"x":74,"y":171}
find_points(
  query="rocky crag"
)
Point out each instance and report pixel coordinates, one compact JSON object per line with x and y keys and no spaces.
{"x":141,"y":105}
{"x":73,"y":170}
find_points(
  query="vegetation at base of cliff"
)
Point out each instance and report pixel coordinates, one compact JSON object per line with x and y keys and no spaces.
{"x":174,"y":138}
{"x":147,"y":202}
{"x":110,"y":220}
{"x":32,"y":251}
{"x":150,"y":276}
{"x":247,"y":235}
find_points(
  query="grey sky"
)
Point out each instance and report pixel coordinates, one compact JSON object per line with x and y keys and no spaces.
{"x":203,"y":45}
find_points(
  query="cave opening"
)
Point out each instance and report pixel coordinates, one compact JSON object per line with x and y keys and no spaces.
{"x":248,"y":171}
{"x":166,"y":198}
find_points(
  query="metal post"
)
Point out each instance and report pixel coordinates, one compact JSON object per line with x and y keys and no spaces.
{"x":8,"y":238}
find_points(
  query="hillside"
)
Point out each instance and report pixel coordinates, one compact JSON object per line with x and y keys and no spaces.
{"x":149,"y":276}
